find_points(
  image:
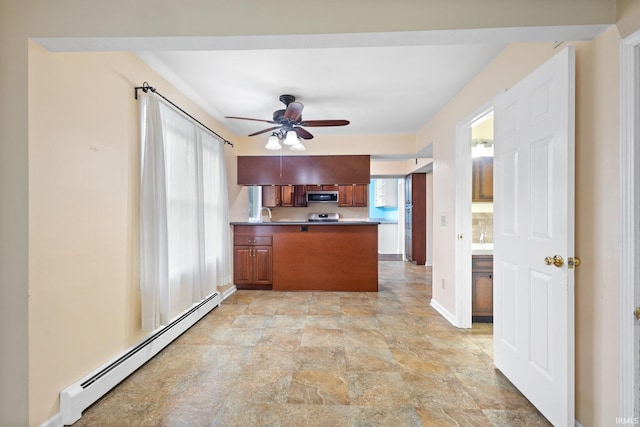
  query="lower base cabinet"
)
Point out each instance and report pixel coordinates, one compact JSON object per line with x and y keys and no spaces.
{"x":253,"y":262}
{"x":482,"y":288}
{"x":303,"y":256}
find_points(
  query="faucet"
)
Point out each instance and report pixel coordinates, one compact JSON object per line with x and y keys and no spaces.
{"x":483,"y":235}
{"x":260,"y":213}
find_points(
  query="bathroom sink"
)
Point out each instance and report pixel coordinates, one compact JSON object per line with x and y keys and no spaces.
{"x":482,"y":249}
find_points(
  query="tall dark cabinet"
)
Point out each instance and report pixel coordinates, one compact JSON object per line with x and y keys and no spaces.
{"x":415,"y":219}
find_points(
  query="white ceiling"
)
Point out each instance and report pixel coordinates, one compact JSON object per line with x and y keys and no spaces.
{"x":384,"y":83}
{"x":380,"y":90}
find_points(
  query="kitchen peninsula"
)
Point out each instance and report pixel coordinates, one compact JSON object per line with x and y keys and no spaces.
{"x":306,"y":256}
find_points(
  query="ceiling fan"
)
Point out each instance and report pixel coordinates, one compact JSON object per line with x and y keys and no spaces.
{"x":290,"y":118}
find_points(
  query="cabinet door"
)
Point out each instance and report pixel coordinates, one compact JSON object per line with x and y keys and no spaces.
{"x":345,"y":195}
{"x":416,"y":218}
{"x":287,"y":197}
{"x":482,"y":173}
{"x":271,"y":196}
{"x":299,"y":195}
{"x":360,"y":195}
{"x":485,"y":187}
{"x":482,"y":294}
{"x":242,"y":265}
{"x":263,"y":265}
{"x":329,"y":187}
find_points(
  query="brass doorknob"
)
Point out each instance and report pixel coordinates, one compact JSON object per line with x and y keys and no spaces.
{"x":556,"y":260}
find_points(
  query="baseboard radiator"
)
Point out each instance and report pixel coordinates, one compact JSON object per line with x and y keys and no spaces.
{"x":80,"y":395}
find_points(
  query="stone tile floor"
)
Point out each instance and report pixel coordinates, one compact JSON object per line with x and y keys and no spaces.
{"x":322,"y":359}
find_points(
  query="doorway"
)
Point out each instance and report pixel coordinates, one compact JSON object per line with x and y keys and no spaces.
{"x":481,"y":146}
{"x":466,"y":230}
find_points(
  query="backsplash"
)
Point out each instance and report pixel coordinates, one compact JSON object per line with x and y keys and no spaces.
{"x":301,"y":213}
{"x":482,"y":221}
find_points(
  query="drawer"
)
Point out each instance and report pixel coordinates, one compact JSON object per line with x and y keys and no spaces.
{"x":482,"y":263}
{"x":252,"y":240}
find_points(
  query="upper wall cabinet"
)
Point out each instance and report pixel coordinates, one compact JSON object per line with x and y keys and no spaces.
{"x":482,"y":179}
{"x":284,"y":195}
{"x":386,"y":193}
{"x":352,"y":195}
{"x":303,"y":170}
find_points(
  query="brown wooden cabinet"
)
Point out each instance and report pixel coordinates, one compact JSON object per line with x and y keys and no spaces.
{"x":482,"y":288}
{"x":287,"y":195}
{"x":253,"y":262}
{"x":352,"y":195}
{"x":323,"y":187}
{"x":284,"y":195}
{"x":304,"y":170}
{"x":337,"y":257}
{"x":271,"y":196}
{"x":299,"y":196}
{"x":415,"y":220}
{"x":482,"y":172}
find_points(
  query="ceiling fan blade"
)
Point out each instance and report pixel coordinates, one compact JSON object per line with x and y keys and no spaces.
{"x":294,"y":111}
{"x":321,"y":123}
{"x":302,"y":133}
{"x":264,"y":130}
{"x":247,"y":118}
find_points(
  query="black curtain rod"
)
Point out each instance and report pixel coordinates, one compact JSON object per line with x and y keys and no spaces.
{"x":146,"y":88}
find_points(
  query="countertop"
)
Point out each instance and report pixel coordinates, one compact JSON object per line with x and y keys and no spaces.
{"x":304,"y":222}
{"x":384,"y":221}
{"x":482,"y":249}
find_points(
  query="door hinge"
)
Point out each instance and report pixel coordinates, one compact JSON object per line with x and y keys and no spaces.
{"x":636,"y":313}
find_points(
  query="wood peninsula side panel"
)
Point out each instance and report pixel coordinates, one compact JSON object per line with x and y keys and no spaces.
{"x":303,"y":170}
{"x":324,"y":257}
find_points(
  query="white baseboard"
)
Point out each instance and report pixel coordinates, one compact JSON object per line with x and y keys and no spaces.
{"x":444,"y":313}
{"x":228,"y":292}
{"x":55,"y":421}
{"x":80,"y":395}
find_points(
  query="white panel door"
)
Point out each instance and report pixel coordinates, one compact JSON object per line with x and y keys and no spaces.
{"x":533,"y":219}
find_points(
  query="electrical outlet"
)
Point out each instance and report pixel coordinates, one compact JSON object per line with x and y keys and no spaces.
{"x":442,"y":283}
{"x":443,"y":221}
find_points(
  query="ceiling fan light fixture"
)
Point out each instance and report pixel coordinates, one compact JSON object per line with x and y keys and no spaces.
{"x":292,"y":138}
{"x":298,"y":147}
{"x":273,"y":143}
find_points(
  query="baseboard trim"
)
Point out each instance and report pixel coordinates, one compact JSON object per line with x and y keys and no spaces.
{"x":55,"y":421}
{"x":444,"y":313}
{"x":228,"y":292}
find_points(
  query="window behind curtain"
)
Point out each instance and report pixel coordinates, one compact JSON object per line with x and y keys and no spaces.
{"x":192,"y":197}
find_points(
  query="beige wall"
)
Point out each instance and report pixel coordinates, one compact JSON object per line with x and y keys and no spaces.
{"x":84,"y":305}
{"x":20,"y":357}
{"x":515,"y":62}
{"x":597,"y":227}
{"x":597,"y":202}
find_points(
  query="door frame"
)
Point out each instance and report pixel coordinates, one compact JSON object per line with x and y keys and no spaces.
{"x":629,"y":228}
{"x":463,"y":164}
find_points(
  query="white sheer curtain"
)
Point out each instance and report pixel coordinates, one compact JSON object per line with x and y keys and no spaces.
{"x":185,"y":250}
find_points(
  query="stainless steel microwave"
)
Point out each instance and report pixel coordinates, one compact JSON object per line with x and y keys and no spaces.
{"x":322,"y":196}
